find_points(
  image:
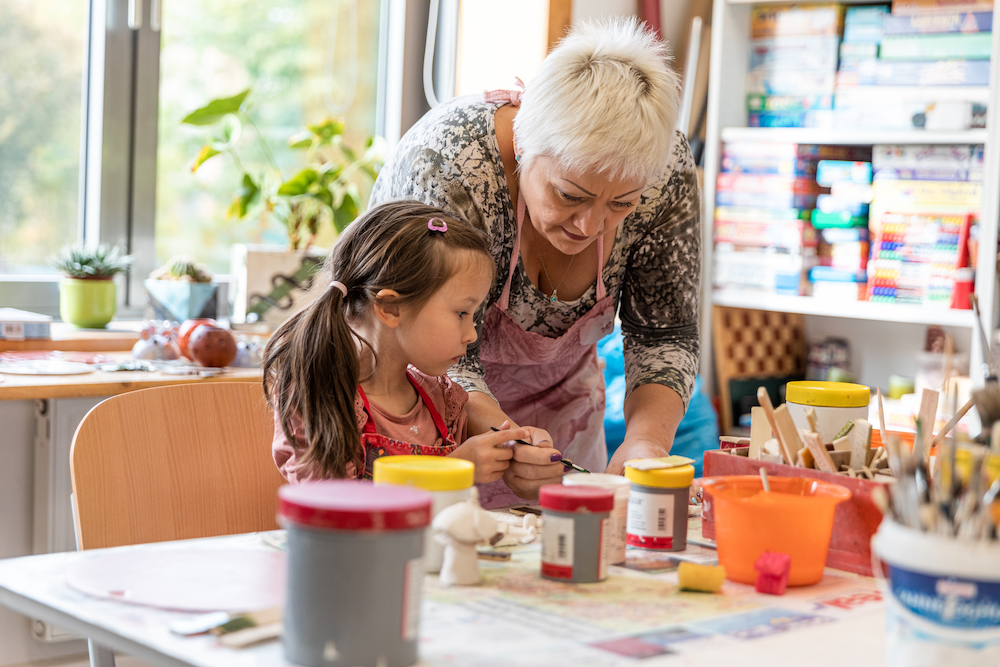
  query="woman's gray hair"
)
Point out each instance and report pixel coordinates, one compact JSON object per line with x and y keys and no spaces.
{"x":605,"y":99}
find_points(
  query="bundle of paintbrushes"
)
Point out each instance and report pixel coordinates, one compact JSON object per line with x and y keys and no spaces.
{"x":947,"y":498}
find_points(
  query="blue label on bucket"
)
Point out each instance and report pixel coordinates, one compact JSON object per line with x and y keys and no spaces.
{"x":956,"y":603}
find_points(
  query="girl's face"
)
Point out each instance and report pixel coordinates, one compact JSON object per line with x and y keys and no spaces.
{"x":572,"y":208}
{"x":435,"y":336}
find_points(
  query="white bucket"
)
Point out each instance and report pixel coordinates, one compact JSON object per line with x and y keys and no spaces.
{"x":942,"y":598}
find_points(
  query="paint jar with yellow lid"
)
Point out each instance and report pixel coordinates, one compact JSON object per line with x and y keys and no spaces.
{"x":835,"y":403}
{"x":658,"y":505}
{"x":449,"y":480}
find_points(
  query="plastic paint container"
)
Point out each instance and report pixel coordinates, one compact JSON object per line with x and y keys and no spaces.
{"x":658,"y":507}
{"x":577,"y":534}
{"x":355,"y":572}
{"x":836,"y":403}
{"x":942,"y":598}
{"x":795,"y":518}
{"x":448,"y":480}
{"x":620,"y":487}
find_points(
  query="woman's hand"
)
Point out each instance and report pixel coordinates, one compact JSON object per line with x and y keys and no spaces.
{"x":533,"y":465}
{"x":490,"y":452}
{"x":634,"y":449}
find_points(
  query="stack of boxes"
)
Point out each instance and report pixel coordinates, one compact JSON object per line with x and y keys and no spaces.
{"x":926,"y":202}
{"x":793,"y":65}
{"x":925,"y":65}
{"x":842,"y":224}
{"x":766,"y":195}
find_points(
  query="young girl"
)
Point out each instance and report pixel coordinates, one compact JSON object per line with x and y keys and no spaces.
{"x":359,"y":373}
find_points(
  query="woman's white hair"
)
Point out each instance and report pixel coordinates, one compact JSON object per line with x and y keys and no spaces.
{"x":605,"y":99}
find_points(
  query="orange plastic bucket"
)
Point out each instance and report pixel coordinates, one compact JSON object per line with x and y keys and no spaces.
{"x":795,"y":518}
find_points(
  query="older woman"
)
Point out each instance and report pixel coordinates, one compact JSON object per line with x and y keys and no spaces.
{"x":590,"y":200}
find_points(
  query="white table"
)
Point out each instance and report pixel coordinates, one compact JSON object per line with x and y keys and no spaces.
{"x":514,"y":618}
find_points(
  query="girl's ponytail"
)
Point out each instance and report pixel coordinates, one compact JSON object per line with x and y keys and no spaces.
{"x":311,"y":370}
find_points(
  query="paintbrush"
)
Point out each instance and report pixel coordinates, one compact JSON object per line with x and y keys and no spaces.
{"x":988,"y":398}
{"x":565,"y":462}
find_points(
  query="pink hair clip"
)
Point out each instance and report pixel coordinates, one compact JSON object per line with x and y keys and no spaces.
{"x":441,"y":225}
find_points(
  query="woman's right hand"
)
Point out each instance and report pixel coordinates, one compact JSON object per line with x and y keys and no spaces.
{"x":490,"y":452}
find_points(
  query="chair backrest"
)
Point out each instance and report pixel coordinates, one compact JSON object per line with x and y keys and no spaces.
{"x":173,"y":463}
{"x":755,"y":345}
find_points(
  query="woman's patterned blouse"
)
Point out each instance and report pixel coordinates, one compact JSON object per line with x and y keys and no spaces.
{"x":451,"y":159}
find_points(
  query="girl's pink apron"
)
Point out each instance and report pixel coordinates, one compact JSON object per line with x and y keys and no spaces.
{"x":550,"y":383}
{"x":374,"y":445}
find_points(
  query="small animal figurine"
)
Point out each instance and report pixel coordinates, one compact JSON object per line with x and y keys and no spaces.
{"x":460,"y":527}
{"x":154,"y":345}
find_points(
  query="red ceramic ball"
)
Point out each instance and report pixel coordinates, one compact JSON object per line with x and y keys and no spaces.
{"x":184,"y":333}
{"x":212,"y":346}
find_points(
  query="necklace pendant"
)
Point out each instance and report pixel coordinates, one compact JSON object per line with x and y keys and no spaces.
{"x":554,"y":298}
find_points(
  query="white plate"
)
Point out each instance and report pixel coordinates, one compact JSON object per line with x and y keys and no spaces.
{"x":44,"y":367}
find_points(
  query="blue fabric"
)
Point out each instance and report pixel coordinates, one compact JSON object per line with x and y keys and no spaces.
{"x":698,"y":430}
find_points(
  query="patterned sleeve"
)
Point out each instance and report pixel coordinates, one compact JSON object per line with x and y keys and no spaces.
{"x":422,"y":174}
{"x":660,"y":295}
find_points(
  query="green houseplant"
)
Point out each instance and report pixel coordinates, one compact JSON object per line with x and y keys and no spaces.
{"x":325,"y":191}
{"x":182,"y":289}
{"x":87,"y":293}
{"x":269,"y":285}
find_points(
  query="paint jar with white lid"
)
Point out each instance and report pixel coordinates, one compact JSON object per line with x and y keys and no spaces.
{"x":835,"y":403}
{"x":449,"y":480}
{"x":577,"y":532}
{"x":355,"y":572}
{"x":620,"y":487}
{"x":658,"y":507}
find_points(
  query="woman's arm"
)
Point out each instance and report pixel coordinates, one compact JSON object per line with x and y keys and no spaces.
{"x":652,"y":413}
{"x":659,"y":313}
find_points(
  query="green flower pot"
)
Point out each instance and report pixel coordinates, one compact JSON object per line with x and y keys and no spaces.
{"x":88,"y":304}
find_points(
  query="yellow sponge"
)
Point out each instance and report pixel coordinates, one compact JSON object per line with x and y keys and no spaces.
{"x":701,"y":578}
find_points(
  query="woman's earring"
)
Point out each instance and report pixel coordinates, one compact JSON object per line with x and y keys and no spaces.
{"x":517,"y":158}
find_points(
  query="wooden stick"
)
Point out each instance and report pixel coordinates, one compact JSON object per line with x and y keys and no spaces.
{"x":928,"y":410}
{"x":760,"y":431}
{"x":953,"y":422}
{"x":789,"y":434}
{"x":881,"y":417}
{"x":820,"y":455}
{"x":811,"y":418}
{"x":861,"y":443}
{"x":765,"y":402}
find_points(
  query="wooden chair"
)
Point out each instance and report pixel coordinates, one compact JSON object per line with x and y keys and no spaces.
{"x":173,"y":463}
{"x":752,"y":346}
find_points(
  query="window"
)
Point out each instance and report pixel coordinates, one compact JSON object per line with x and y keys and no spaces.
{"x":303,"y":60}
{"x":42,"y":51}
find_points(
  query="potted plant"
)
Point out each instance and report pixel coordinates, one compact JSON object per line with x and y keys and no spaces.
{"x":181,"y":289}
{"x":269,"y":282}
{"x":87,"y":293}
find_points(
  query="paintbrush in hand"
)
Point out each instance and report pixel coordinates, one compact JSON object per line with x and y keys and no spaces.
{"x":565,"y":462}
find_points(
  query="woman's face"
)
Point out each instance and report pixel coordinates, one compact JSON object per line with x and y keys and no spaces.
{"x":572,"y":208}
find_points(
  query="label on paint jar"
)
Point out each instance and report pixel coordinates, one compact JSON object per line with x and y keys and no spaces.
{"x":605,"y":550}
{"x":650,"y":520}
{"x":413,"y":585}
{"x":557,"y":547}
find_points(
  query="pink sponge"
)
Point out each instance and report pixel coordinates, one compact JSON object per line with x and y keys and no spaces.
{"x":772,"y":572}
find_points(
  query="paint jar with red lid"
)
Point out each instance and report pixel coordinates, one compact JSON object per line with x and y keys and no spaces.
{"x":355,"y":572}
{"x":576,"y":534}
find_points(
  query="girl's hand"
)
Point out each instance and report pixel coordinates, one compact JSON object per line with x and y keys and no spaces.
{"x":490,"y":453}
{"x":533,"y":467}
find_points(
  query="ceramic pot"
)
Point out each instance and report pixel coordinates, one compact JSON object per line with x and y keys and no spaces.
{"x":88,"y":304}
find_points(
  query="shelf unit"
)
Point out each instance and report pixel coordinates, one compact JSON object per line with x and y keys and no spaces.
{"x":727,"y":122}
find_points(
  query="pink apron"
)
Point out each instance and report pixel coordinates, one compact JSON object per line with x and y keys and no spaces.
{"x":374,"y":445}
{"x":550,"y":383}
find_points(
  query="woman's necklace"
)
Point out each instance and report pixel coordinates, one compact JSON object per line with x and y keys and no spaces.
{"x":554,"y":297}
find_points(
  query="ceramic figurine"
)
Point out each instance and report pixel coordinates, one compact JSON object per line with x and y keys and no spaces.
{"x":460,"y":527}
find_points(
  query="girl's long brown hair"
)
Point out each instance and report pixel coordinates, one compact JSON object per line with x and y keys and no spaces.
{"x":311,"y":365}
